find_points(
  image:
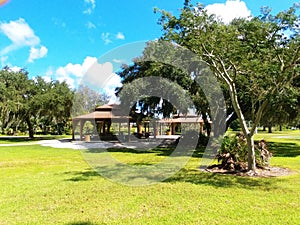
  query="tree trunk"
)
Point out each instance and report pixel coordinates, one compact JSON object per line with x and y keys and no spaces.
{"x":270,"y":129}
{"x":246,"y":132}
{"x":30,"y":127}
{"x":230,"y":119}
{"x":251,"y":153}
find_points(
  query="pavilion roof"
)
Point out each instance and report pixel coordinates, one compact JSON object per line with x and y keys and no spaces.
{"x":103,"y":113}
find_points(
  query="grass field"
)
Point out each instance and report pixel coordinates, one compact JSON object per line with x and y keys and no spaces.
{"x":44,"y":185}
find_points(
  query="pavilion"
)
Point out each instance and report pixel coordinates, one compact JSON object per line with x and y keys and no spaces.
{"x":105,"y":115}
{"x":181,"y":119}
{"x":102,"y":117}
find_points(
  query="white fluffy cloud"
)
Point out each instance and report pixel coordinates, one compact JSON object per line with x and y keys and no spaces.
{"x":36,"y":53}
{"x":230,"y":10}
{"x":71,"y":73}
{"x":89,"y":73}
{"x":113,"y":81}
{"x":102,"y":77}
{"x":21,"y":35}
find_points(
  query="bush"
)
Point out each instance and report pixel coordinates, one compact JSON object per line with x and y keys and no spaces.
{"x":233,"y":153}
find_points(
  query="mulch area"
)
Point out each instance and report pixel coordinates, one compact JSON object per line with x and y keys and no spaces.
{"x":266,"y":172}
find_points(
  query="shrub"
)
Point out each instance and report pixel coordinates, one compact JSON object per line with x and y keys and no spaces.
{"x":233,"y":153}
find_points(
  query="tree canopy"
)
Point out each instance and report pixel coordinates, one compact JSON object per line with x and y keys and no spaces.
{"x":31,"y":104}
{"x":256,"y":61}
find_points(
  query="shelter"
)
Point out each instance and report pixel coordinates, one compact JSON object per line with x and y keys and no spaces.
{"x":181,"y":119}
{"x":102,"y":117}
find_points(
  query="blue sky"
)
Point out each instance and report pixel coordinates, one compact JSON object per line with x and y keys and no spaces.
{"x":61,"y":39}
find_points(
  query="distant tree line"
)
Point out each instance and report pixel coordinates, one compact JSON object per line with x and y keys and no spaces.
{"x":38,"y":106}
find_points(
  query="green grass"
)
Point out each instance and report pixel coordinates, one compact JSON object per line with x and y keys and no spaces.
{"x":25,"y":139}
{"x":43,"y":185}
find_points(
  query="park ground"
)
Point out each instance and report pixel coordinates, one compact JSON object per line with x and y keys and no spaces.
{"x":46,"y":185}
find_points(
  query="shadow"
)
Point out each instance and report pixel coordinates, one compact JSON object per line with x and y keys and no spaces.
{"x":82,"y":175}
{"x":184,"y":176}
{"x":222,"y":180}
{"x":284,"y":149}
{"x":17,"y":139}
{"x":82,"y":223}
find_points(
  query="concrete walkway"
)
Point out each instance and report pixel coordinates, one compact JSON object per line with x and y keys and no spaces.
{"x":67,"y":143}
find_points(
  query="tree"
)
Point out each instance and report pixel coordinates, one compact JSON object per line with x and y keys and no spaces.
{"x":262,"y":54}
{"x":156,"y":61}
{"x":33,"y":102}
{"x":86,"y":100}
{"x":13,"y":88}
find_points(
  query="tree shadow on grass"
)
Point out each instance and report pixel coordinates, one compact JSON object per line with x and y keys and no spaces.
{"x":17,"y":139}
{"x":78,"y":176}
{"x":222,"y":180}
{"x":159,"y":151}
{"x":195,"y":177}
{"x":82,"y":223}
{"x":284,"y":149}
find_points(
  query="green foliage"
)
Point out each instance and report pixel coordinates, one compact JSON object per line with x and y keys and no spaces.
{"x":233,"y":153}
{"x":33,"y":104}
{"x":254,"y":59}
{"x":86,"y":100}
{"x":235,"y":126}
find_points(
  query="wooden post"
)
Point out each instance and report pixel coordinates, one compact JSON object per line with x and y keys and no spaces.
{"x":128,"y":126}
{"x":81,"y":128}
{"x":173,"y":125}
{"x":74,"y":124}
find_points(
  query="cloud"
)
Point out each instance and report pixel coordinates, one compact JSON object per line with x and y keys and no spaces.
{"x":120,"y":36}
{"x":36,"y":53}
{"x":98,"y":74}
{"x":72,"y":73}
{"x":90,"y":25}
{"x":21,"y":35}
{"x":230,"y":10}
{"x":106,"y":38}
{"x":91,"y":6}
{"x":113,"y":81}
{"x":90,"y":73}
{"x":15,"y":68}
{"x":101,"y":77}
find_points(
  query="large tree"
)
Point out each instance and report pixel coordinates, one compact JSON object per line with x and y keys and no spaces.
{"x":33,"y":102}
{"x":255,"y":58}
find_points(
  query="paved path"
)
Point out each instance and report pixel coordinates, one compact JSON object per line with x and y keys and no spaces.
{"x":66,"y":143}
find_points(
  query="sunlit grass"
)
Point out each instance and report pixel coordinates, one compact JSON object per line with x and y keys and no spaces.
{"x":43,"y":185}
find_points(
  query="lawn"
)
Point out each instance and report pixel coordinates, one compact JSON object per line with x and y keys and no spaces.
{"x":44,"y":185}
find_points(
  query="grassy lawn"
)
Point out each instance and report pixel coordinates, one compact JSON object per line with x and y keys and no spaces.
{"x":43,"y":185}
{"x":26,"y":139}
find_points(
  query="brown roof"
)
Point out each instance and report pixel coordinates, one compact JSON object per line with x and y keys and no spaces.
{"x":102,"y":113}
{"x":107,"y":107}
